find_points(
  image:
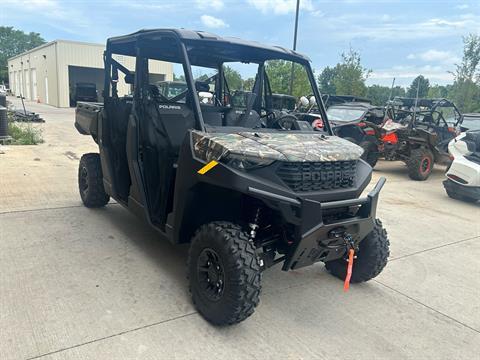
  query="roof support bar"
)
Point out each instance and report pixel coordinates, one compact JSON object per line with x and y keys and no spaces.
{"x":191,"y":84}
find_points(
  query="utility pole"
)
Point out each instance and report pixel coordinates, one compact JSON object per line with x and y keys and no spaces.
{"x":294,"y":43}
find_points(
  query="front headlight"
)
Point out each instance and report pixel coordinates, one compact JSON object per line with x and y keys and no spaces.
{"x":242,"y":162}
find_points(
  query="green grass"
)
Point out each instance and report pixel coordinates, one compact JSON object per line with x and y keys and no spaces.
{"x":24,"y":134}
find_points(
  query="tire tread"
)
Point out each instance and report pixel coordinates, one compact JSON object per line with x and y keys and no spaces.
{"x":413,"y":164}
{"x":96,"y":195}
{"x":245,"y":267}
{"x":375,"y":257}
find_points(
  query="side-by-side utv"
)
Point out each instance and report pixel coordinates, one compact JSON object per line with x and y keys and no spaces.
{"x":248,"y":187}
{"x":417,"y":131}
{"x":350,"y":119}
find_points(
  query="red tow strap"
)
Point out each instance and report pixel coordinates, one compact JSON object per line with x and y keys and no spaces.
{"x":346,"y":284}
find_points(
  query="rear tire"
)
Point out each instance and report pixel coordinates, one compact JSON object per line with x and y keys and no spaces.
{"x":370,"y":152}
{"x":90,"y":181}
{"x":420,"y":164}
{"x":372,"y":256}
{"x":452,"y":194}
{"x":224,"y":272}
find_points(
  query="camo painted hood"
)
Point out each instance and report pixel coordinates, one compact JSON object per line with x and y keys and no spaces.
{"x":282,"y":146}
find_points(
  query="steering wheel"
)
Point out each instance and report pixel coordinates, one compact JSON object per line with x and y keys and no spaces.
{"x":284,"y":122}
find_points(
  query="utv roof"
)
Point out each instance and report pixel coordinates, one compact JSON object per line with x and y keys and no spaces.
{"x":403,"y":101}
{"x":204,"y":49}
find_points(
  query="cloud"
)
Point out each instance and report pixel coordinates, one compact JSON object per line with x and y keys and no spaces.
{"x":359,"y":25}
{"x":317,"y":13}
{"x":438,"y":56}
{"x":213,"y":22}
{"x":147,"y":5}
{"x":386,"y":17}
{"x":404,"y":74}
{"x":53,"y":13}
{"x":282,"y":7}
{"x":462,"y":7}
{"x":215,"y":5}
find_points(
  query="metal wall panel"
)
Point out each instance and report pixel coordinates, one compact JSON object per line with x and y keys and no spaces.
{"x":51,"y":62}
{"x":43,"y":60}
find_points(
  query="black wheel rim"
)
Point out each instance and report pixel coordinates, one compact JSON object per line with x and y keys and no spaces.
{"x":83,"y":180}
{"x":211,"y":275}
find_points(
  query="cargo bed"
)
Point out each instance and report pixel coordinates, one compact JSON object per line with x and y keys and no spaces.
{"x":86,"y":118}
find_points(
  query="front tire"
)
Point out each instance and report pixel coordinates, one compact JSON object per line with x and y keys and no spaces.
{"x":224,"y":272}
{"x":420,"y":164}
{"x":372,"y":256}
{"x":90,"y":181}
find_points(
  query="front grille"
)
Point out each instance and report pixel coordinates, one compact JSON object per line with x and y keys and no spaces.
{"x":316,"y":176}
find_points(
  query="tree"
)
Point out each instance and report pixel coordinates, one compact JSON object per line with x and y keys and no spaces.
{"x":233,"y":77}
{"x":248,"y":84}
{"x":379,"y":94}
{"x":351,"y":75}
{"x":422,"y":83}
{"x":325,"y":81}
{"x":14,"y":42}
{"x":346,"y":78}
{"x":466,"y":86}
{"x":178,"y":77}
{"x":279,"y":74}
{"x":466,"y":95}
{"x":469,"y":68}
{"x":439,"y":91}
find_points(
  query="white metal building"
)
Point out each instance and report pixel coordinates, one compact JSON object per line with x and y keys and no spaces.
{"x":49,"y":73}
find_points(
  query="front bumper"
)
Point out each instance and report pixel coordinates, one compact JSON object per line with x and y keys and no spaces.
{"x":314,"y":240}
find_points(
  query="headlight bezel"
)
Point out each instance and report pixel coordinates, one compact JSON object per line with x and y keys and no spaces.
{"x":244,"y":162}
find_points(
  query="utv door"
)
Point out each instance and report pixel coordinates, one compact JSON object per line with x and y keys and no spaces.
{"x":161,"y":128}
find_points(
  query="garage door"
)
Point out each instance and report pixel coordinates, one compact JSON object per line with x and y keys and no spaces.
{"x":34,"y":84}
{"x":83,"y":83}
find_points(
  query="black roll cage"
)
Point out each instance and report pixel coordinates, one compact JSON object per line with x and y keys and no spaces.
{"x":430,"y":104}
{"x":136,"y":45}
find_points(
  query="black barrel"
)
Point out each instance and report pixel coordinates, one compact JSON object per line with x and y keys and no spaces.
{"x":3,"y":100}
{"x":3,"y":122}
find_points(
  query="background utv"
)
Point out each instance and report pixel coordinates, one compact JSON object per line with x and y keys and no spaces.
{"x":248,"y":186}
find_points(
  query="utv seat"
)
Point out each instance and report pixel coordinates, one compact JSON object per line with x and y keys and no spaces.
{"x":472,"y":138}
{"x":235,"y":117}
{"x":212,"y":115}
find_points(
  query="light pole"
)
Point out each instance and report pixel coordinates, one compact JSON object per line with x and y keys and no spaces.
{"x":294,"y":44}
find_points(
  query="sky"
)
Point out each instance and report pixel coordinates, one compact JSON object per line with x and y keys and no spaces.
{"x":400,"y":39}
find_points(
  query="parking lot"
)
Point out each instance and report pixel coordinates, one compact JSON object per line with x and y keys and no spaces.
{"x":77,"y":283}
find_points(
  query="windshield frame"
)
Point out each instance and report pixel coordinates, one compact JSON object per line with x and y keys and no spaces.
{"x":196,"y":48}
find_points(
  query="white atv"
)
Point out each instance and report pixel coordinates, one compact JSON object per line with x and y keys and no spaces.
{"x":463,"y":176}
